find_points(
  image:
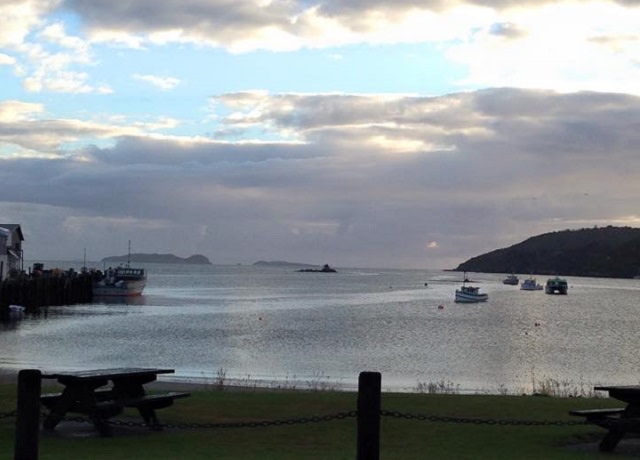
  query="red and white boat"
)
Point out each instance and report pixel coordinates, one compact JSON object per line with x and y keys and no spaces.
{"x":121,"y":281}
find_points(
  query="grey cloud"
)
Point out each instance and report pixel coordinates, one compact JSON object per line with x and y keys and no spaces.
{"x":204,"y":17}
{"x":519,"y":162}
{"x":224,"y":22}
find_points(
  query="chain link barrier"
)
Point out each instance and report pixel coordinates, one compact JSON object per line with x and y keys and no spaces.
{"x":479,"y":421}
{"x":216,"y":425}
{"x":329,"y":418}
{"x":7,"y":414}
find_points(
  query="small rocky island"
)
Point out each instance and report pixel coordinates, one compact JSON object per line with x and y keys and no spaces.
{"x":196,"y":259}
{"x":325,"y":269}
{"x":309,"y":268}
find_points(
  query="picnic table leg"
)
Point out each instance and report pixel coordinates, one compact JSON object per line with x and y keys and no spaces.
{"x":611,"y":440}
{"x":149,"y":416}
{"x":56,"y":414}
{"x":102,"y":427}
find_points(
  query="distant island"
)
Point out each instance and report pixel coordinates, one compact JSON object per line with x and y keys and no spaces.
{"x":607,"y":252}
{"x":301,"y":267}
{"x":280,"y":263}
{"x":196,"y":259}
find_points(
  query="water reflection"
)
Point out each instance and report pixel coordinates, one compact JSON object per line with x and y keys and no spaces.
{"x":120,"y":300}
{"x":280,"y":325}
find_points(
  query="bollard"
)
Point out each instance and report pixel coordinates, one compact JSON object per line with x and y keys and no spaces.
{"x":369,"y":386}
{"x":28,"y":415}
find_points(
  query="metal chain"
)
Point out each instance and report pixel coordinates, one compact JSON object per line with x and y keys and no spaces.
{"x":339,"y":416}
{"x":480,"y":421}
{"x":213,"y":425}
{"x":264,"y":423}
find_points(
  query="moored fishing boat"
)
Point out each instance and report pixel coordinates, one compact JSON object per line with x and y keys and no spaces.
{"x":512,"y":280}
{"x":469,"y":294}
{"x":121,"y":281}
{"x":556,"y":286}
{"x":530,"y":284}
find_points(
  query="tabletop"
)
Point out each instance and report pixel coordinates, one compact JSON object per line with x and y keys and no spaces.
{"x":627,"y":393}
{"x":107,"y":374}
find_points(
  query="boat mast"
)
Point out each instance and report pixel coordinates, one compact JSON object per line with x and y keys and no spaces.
{"x":129,"y":255}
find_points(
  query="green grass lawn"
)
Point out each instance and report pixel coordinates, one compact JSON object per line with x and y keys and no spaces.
{"x":401,"y":439}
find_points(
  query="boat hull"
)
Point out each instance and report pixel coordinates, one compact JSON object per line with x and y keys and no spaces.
{"x":464,"y":297}
{"x":119,"y":289}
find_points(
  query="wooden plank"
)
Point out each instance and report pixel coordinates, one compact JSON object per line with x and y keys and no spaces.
{"x":153,"y":399}
{"x":603,"y":412}
{"x":108,"y":373}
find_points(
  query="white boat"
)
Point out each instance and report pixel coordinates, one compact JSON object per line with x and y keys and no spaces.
{"x":513,"y":280}
{"x":121,"y":281}
{"x":530,"y":284}
{"x":469,"y":294}
{"x":556,"y":286}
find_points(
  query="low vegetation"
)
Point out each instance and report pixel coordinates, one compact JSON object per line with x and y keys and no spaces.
{"x":460,"y":433}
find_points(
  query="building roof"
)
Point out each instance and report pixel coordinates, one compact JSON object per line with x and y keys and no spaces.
{"x":14,"y":228}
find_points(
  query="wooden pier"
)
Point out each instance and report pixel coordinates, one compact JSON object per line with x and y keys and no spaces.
{"x":51,"y":289}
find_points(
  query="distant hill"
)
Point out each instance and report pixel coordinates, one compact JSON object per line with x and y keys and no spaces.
{"x":610,"y":252}
{"x":195,"y":259}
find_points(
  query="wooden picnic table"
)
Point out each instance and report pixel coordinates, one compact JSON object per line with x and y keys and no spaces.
{"x":618,"y":421}
{"x":104,"y":393}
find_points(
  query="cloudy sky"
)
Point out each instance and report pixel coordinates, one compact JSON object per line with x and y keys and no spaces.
{"x":397,"y":133}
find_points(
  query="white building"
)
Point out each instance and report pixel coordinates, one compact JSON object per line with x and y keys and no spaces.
{"x":10,"y":249}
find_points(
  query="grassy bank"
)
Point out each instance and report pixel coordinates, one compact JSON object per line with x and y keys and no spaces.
{"x":402,"y":439}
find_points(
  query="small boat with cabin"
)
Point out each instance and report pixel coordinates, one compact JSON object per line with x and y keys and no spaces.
{"x":121,"y":281}
{"x":556,"y":285}
{"x":530,"y":284}
{"x":512,"y":280}
{"x":469,"y":294}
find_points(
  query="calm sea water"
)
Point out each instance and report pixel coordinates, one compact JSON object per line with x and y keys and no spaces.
{"x":277,"y":325}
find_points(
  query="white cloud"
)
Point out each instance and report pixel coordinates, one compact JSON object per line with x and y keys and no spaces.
{"x":45,"y":55}
{"x":164,"y":83}
{"x":13,"y":111}
{"x":5,"y":59}
{"x":19,"y":17}
{"x":567,"y":46}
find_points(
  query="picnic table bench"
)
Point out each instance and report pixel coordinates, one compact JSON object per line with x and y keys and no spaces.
{"x":87,"y":393}
{"x":619,"y":420}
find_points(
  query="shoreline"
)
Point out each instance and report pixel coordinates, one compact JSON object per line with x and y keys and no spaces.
{"x":10,"y":376}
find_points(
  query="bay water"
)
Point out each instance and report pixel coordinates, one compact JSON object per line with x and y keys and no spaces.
{"x":278,"y":327}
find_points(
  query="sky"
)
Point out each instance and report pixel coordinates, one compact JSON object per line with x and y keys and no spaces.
{"x":388,"y":134}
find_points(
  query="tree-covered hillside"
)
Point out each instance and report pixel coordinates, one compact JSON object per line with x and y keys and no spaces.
{"x":602,"y":252}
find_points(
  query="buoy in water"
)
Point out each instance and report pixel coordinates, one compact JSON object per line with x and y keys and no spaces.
{"x":440,"y":307}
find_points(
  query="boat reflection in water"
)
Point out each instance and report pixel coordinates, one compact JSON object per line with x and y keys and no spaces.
{"x":119,"y":300}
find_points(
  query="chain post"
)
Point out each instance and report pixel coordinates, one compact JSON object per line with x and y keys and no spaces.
{"x":369,"y":387}
{"x":27,"y":415}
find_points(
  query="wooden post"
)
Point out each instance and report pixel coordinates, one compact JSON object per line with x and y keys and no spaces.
{"x":369,"y":386}
{"x":28,"y":415}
